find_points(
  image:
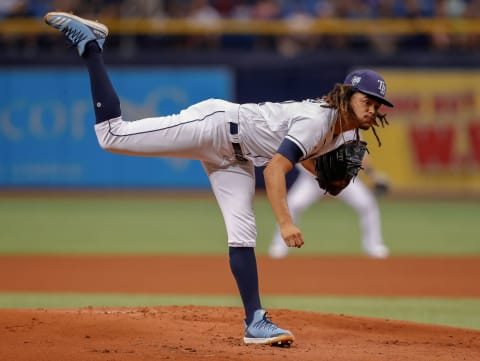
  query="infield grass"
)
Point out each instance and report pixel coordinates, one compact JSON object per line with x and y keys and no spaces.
{"x":164,"y":224}
{"x":447,"y":312}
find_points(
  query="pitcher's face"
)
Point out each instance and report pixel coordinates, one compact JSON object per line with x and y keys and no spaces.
{"x":365,"y":109}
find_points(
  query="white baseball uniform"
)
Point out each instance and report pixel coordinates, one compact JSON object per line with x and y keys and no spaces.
{"x":215,"y":132}
{"x":229,"y":139}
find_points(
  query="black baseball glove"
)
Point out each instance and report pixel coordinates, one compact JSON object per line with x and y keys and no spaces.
{"x":338,"y":167}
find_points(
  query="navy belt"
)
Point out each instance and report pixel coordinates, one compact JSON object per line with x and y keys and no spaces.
{"x":235,"y":142}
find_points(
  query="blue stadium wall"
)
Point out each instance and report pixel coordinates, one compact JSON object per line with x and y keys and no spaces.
{"x":46,"y":116}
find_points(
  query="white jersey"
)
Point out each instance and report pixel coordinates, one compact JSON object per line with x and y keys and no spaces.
{"x":307,"y":124}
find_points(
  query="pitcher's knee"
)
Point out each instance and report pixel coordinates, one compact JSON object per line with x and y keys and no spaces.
{"x":106,"y":137}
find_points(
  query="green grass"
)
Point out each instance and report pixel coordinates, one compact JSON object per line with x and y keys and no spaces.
{"x":447,"y":312}
{"x":108,"y":225}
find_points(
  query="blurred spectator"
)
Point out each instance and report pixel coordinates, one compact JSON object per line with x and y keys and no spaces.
{"x":207,"y":16}
{"x":202,"y":11}
{"x":14,"y":44}
{"x":472,"y":11}
{"x":299,"y":13}
{"x":449,"y":9}
{"x":14,"y":8}
{"x":266,"y":10}
{"x":143,"y":9}
{"x":242,"y":10}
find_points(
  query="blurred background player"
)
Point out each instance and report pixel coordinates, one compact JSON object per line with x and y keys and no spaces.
{"x":305,"y":191}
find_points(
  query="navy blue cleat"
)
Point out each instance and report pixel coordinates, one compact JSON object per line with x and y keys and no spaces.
{"x":262,"y":331}
{"x":77,"y":30}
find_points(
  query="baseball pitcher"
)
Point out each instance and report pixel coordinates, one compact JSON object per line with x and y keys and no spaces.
{"x":230,"y":139}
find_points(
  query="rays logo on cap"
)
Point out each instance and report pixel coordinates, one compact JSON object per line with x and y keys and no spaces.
{"x":369,"y":82}
{"x":382,"y":87}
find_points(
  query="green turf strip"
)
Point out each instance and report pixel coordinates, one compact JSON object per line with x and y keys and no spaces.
{"x":166,"y":225}
{"x":459,"y":312}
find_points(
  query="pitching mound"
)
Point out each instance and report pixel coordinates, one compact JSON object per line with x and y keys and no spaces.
{"x":213,"y":333}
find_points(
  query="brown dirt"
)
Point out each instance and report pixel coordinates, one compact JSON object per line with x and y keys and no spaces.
{"x":214,"y":333}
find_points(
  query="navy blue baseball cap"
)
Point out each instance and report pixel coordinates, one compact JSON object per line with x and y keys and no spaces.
{"x":369,"y":82}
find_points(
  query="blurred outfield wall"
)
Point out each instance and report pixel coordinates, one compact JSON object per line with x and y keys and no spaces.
{"x":46,"y":126}
{"x":432,"y":144}
{"x":46,"y":138}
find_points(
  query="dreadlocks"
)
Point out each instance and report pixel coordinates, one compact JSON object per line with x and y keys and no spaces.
{"x":339,"y":98}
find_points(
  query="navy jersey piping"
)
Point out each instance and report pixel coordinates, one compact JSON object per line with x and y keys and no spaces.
{"x":159,"y":129}
{"x":304,"y":151}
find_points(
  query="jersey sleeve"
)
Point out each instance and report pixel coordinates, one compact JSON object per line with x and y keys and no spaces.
{"x":291,"y":150}
{"x":308,"y":136}
{"x":311,"y":128}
